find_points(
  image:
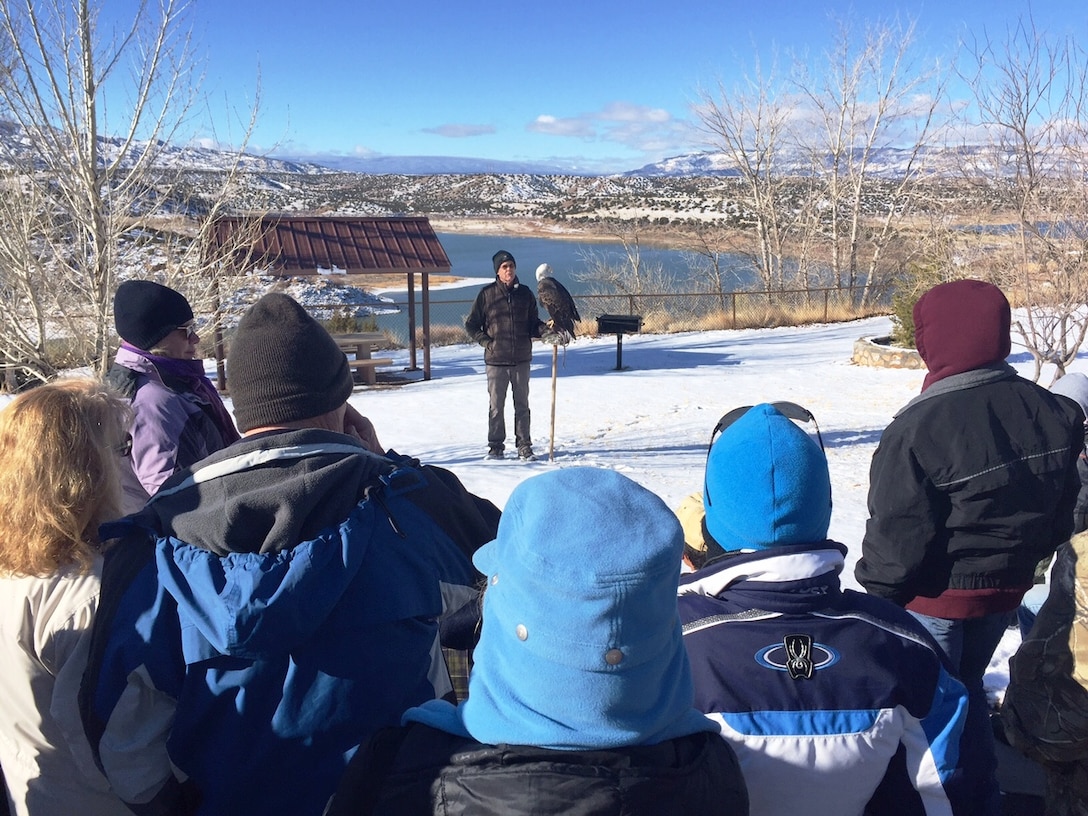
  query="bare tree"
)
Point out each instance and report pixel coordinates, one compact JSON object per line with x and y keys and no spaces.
{"x":750,"y":125}
{"x":632,"y":276}
{"x":1030,"y":93}
{"x":89,"y":189}
{"x":868,"y":95}
{"x":710,"y":258}
{"x":86,"y":192}
{"x":806,"y":148}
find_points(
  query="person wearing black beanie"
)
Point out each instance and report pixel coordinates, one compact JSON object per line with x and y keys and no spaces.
{"x":504,"y":320}
{"x":178,"y":416}
{"x":145,"y":312}
{"x":284,"y":368}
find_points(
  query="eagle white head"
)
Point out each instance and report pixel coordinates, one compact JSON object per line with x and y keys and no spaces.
{"x":543,"y":271}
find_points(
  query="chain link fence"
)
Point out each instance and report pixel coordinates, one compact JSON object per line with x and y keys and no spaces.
{"x":666,"y":312}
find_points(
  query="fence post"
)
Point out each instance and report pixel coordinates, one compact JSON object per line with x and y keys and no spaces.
{"x":825,"y":305}
{"x":733,"y":299}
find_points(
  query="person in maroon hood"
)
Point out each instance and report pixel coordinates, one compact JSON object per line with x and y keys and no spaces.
{"x":972,"y":484}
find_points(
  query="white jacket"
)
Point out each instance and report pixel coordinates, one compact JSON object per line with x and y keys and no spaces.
{"x":44,"y":638}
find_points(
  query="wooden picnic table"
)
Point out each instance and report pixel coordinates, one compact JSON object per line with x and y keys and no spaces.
{"x":361,"y":344}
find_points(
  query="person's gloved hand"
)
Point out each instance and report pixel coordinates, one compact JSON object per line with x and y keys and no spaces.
{"x":556,"y":337}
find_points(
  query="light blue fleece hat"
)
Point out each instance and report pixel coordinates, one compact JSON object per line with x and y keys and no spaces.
{"x":766,"y":484}
{"x":1074,"y":386}
{"x":581,"y":646}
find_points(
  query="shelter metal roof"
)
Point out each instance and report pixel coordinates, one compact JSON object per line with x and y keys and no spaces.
{"x":300,"y":245}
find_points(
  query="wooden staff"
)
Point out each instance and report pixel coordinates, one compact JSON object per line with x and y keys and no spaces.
{"x":551,"y":444}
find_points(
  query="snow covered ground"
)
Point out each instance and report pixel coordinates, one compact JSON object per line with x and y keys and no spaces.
{"x":652,"y":421}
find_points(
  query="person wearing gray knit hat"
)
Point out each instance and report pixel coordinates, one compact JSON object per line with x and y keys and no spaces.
{"x":283,"y":366}
{"x":297,"y":570}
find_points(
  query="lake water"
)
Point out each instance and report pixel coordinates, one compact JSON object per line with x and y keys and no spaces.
{"x":470,"y":258}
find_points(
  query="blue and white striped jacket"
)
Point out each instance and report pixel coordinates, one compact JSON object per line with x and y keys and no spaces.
{"x":830,"y":698}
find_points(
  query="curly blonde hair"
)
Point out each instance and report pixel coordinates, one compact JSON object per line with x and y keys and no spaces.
{"x":59,"y":474}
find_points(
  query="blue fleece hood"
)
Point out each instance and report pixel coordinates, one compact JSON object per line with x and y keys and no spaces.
{"x":581,"y":646}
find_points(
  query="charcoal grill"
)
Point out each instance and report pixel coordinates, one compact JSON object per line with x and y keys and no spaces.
{"x":619,"y":325}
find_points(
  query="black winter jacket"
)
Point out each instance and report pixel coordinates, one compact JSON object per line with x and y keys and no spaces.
{"x":416,"y":770}
{"x":973,"y":483}
{"x":504,"y":320}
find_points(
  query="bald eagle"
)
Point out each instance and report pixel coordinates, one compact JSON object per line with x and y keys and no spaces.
{"x":556,"y":300}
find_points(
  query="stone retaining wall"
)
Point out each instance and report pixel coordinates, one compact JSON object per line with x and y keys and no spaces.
{"x":875,"y":351}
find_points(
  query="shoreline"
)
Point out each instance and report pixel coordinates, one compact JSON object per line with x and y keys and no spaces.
{"x":540,"y":228}
{"x":514,"y":226}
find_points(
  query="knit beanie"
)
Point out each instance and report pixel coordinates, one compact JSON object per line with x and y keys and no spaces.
{"x":144,"y":312}
{"x":961,"y":325}
{"x":581,"y":645}
{"x":767,"y":484}
{"x":501,"y":257}
{"x":283,"y":366}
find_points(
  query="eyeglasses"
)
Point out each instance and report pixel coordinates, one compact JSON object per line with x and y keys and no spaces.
{"x":124,"y":448}
{"x":189,"y":329}
{"x":790,"y":410}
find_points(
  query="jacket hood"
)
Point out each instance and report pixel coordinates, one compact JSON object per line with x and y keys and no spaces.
{"x":253,"y":604}
{"x":961,"y":325}
{"x":272,"y":548}
{"x":581,"y":646}
{"x":767,"y":484}
{"x":791,"y":579}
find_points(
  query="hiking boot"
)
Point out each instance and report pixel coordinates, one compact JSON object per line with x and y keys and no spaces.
{"x":495,"y":453}
{"x":526,"y":455}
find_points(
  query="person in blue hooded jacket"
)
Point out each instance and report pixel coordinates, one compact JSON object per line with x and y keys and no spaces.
{"x":837,"y":703}
{"x":580,"y":697}
{"x":277,"y":602}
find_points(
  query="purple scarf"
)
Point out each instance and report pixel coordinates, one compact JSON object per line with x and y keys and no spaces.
{"x":191,"y":374}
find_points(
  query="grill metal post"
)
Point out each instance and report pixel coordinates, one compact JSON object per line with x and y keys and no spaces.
{"x":619,"y":325}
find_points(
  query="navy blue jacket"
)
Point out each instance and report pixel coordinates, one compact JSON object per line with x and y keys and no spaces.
{"x":827,"y":696}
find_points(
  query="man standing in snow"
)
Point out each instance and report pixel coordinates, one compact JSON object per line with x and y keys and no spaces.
{"x":972,"y":485}
{"x":504,"y":320}
{"x":280,"y":600}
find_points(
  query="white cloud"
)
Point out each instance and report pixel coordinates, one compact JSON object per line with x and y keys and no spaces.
{"x":646,"y":130}
{"x":626,"y":112}
{"x":580,"y":127}
{"x":460,"y":131}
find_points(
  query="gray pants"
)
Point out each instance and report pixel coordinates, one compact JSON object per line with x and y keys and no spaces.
{"x":498,"y":379}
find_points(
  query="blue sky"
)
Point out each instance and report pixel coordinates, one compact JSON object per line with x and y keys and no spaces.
{"x":596,"y":84}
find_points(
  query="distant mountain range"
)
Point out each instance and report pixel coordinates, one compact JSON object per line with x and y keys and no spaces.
{"x":883,"y":163}
{"x":888,"y":163}
{"x":437,"y":165}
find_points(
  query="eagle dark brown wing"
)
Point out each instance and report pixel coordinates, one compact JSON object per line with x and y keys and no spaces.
{"x":557,"y":302}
